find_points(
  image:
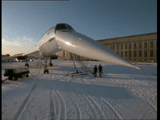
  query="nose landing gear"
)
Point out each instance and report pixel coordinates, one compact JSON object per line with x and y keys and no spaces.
{"x":46,"y":70}
{"x":50,"y":64}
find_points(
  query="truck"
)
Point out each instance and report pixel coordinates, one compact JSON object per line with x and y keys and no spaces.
{"x":16,"y":72}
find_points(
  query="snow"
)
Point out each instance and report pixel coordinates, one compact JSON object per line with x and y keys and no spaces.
{"x":121,"y":93}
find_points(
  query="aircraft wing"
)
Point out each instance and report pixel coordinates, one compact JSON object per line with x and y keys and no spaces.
{"x":34,"y":54}
{"x":38,"y":53}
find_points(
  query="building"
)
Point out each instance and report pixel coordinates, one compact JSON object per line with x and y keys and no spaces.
{"x":4,"y":56}
{"x":136,"y":48}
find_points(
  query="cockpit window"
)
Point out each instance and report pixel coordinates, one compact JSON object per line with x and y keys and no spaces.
{"x":69,"y":27}
{"x":60,"y":26}
{"x":64,"y":27}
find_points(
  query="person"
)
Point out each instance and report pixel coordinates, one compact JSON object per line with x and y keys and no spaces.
{"x":95,"y":71}
{"x":100,"y":70}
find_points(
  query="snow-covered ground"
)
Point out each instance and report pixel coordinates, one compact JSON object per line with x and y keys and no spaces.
{"x":121,"y":93}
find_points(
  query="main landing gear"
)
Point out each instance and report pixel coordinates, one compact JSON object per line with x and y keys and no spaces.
{"x":27,"y":65}
{"x":50,"y":64}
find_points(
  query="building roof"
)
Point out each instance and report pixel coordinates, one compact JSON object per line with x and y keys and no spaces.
{"x":5,"y":55}
{"x":127,"y":36}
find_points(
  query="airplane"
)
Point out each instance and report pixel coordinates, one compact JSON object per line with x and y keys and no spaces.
{"x":63,"y":37}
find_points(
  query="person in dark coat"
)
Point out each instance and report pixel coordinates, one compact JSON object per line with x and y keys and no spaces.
{"x":100,"y":70}
{"x":95,"y":71}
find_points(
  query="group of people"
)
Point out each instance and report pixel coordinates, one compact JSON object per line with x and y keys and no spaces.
{"x":100,"y":70}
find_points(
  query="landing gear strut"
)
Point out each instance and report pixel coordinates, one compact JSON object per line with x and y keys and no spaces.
{"x":46,"y":70}
{"x":26,"y":62}
{"x":50,"y":64}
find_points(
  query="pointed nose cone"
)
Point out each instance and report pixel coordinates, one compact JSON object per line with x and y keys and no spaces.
{"x":84,"y":46}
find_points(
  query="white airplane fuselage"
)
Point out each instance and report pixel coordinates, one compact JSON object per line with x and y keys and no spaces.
{"x":62,"y":36}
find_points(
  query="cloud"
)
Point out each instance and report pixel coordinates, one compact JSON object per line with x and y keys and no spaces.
{"x":18,"y":45}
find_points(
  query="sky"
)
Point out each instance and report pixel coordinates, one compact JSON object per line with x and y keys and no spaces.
{"x":24,"y":22}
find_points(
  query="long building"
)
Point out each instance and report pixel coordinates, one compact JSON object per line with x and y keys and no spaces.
{"x":136,"y":48}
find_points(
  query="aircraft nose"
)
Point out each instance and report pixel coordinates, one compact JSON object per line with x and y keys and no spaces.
{"x":84,"y":46}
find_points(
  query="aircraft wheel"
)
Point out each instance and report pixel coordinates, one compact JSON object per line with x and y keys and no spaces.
{"x":27,"y":75}
{"x":10,"y":77}
{"x":21,"y":76}
{"x":27,"y":65}
{"x":50,"y":64}
{"x":15,"y":78}
{"x":44,"y":71}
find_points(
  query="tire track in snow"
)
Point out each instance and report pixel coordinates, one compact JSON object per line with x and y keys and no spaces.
{"x":57,"y":109}
{"x":24,"y":104}
{"x":96,"y":115}
{"x":90,"y":104}
{"x":145,"y":100}
{"x":108,"y":104}
{"x":63,"y":105}
{"x":58,"y":101}
{"x":61,"y":110}
{"x":149,"y":103}
{"x":10,"y":93}
{"x":102,"y":113}
{"x":94,"y":105}
{"x":141,"y":115}
{"x":52,"y":108}
{"x":112,"y":108}
{"x":79,"y":113}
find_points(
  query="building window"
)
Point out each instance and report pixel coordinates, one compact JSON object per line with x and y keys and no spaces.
{"x":117,"y":47}
{"x":140,"y":53}
{"x":130,"y":47}
{"x":122,"y":47}
{"x":117,"y":52}
{"x":140,"y":45}
{"x":134,"y":53}
{"x":134,"y":45}
{"x":130,"y":53}
{"x":145,"y":53}
{"x":122,"y":54}
{"x":113,"y":47}
{"x":151,"y":53}
{"x":151,"y":44}
{"x":145,"y":45}
{"x":108,"y":46}
{"x":125,"y":53}
{"x":125,"y":46}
